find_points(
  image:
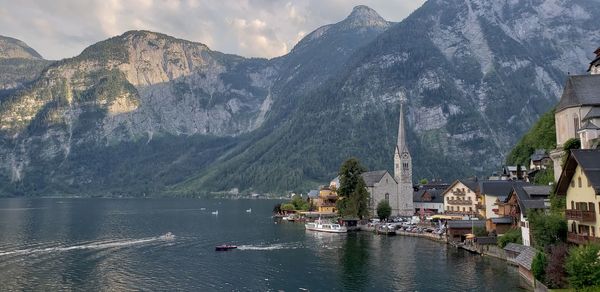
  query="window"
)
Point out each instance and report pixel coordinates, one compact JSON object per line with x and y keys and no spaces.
{"x":591,"y":207}
{"x":572,"y":205}
{"x":579,"y":181}
{"x":387,"y":197}
{"x":470,"y":209}
{"x":576,"y":123}
{"x":572,"y":183}
{"x":405,"y":166}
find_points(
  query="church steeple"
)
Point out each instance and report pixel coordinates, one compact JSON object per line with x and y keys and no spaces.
{"x":401,"y":144}
{"x":402,"y":159}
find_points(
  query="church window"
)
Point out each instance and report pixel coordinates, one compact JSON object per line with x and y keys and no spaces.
{"x":405,"y":166}
{"x":387,"y":197}
{"x":579,"y":181}
{"x":576,"y":123}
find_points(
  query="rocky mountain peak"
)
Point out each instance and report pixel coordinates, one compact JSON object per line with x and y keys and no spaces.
{"x":14,"y":48}
{"x":364,"y":16}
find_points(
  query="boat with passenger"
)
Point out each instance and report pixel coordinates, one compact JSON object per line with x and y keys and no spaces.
{"x":325,"y":227}
{"x":167,"y":236}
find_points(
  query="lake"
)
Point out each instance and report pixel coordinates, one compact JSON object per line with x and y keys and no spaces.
{"x":114,"y":244}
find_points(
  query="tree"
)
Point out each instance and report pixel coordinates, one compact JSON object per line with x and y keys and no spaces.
{"x":547,"y":229}
{"x":353,"y":194}
{"x":556,"y":274}
{"x":513,"y":235}
{"x":544,"y":176}
{"x":277,"y":208}
{"x":573,"y":143}
{"x":299,"y":203}
{"x":384,"y":210}
{"x":480,"y":231}
{"x":583,"y":266}
{"x":423,"y":181}
{"x":519,"y":172}
{"x":538,"y":266}
{"x":287,"y":207}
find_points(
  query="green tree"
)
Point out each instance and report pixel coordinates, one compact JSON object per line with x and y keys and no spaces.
{"x":583,"y":266}
{"x":287,"y":207}
{"x":480,"y":231}
{"x":513,"y":235}
{"x":300,"y":204}
{"x":542,"y":135}
{"x":423,"y":181}
{"x":538,"y":266}
{"x":353,"y":194}
{"x":384,"y":210}
{"x":544,"y":176}
{"x":547,"y":229}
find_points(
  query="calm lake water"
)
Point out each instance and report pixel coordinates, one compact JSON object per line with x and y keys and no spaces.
{"x":113,"y":244}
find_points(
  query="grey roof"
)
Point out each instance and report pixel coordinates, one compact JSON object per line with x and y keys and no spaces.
{"x":436,"y":196}
{"x":588,"y":125}
{"x":525,"y":258}
{"x":580,"y":90}
{"x":527,"y":201}
{"x":539,"y":154}
{"x":457,"y":224}
{"x":514,"y":247}
{"x":589,"y":160}
{"x":497,"y":188}
{"x":594,"y":113}
{"x":537,"y":190}
{"x":502,"y":220}
{"x":373,"y":177}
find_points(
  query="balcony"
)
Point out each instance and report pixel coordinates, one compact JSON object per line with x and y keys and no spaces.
{"x":458,"y":192}
{"x":460,"y":202}
{"x":581,"y":238}
{"x":582,"y":216}
{"x":480,"y":206}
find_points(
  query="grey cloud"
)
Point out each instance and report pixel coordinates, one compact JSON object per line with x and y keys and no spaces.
{"x":254,"y":28}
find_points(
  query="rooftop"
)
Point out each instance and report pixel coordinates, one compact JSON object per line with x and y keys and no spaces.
{"x":580,"y":90}
{"x":525,"y":258}
{"x":514,"y":247}
{"x":589,"y":161}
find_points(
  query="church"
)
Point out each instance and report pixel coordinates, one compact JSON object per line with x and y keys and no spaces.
{"x":396,"y":189}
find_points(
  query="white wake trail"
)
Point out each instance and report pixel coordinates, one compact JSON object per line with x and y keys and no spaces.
{"x":89,"y":246}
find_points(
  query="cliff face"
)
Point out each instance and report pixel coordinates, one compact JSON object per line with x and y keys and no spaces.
{"x":146,"y":113}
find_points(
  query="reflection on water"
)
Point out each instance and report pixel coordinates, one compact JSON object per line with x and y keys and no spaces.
{"x":112,"y":244}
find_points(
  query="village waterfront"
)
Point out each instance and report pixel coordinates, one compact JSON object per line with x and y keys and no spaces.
{"x":85,"y":244}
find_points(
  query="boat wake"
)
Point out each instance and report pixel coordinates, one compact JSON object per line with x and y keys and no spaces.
{"x":88,"y":246}
{"x":277,"y":246}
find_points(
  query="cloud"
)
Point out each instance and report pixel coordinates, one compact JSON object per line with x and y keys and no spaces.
{"x":253,"y":28}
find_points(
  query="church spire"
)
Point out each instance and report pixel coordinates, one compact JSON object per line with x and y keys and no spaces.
{"x":401,"y":144}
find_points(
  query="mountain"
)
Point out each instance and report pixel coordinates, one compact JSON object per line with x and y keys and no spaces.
{"x":146,"y":113}
{"x":477,"y":74}
{"x":19,"y":64}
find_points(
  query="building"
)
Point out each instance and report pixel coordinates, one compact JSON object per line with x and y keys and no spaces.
{"x":523,"y":199}
{"x":382,"y":187}
{"x":513,"y":250}
{"x":456,"y":230}
{"x":397,"y":190}
{"x":461,"y":198}
{"x":577,"y":113}
{"x":403,"y":169}
{"x":327,"y":198}
{"x":539,"y":160}
{"x":580,"y":183}
{"x":524,"y":261}
{"x":490,"y":192}
{"x":428,"y":201}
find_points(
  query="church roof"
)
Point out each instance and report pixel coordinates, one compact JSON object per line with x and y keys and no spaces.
{"x":594,"y":113}
{"x":373,"y":177}
{"x":589,"y":161}
{"x":580,"y":90}
{"x":588,"y":125}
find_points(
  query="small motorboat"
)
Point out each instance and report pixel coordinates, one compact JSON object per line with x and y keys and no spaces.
{"x":249,"y":210}
{"x":215,"y":212}
{"x":225,"y":247}
{"x":167,"y":236}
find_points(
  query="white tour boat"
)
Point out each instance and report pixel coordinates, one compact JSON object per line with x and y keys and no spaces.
{"x":325,"y":227}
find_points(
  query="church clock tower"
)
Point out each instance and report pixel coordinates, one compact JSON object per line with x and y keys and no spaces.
{"x":403,"y":168}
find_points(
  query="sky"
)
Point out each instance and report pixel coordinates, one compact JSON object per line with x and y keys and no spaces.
{"x":252,"y":28}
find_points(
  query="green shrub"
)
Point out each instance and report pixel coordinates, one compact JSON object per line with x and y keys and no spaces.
{"x":583,"y":266}
{"x":513,"y":235}
{"x":538,"y":266}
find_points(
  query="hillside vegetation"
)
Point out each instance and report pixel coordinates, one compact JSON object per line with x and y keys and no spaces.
{"x":541,"y":136}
